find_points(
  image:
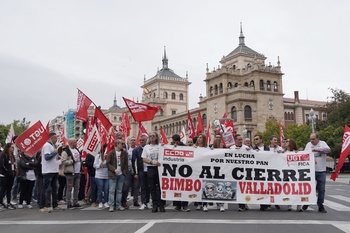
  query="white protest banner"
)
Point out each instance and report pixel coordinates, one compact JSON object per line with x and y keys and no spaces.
{"x":235,"y":176}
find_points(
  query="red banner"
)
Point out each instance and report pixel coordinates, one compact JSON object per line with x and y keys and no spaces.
{"x":345,"y":151}
{"x":62,"y":136}
{"x":142,"y":130}
{"x":83,"y":103}
{"x":190,"y":128}
{"x":162,"y":136}
{"x":141,"y":112}
{"x":31,"y":140}
{"x":111,"y":142}
{"x":125,"y":125}
{"x":93,"y":143}
{"x":200,"y":126}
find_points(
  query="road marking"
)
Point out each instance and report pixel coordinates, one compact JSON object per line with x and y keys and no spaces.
{"x":145,"y":227}
{"x":340,"y":197}
{"x":336,"y":206}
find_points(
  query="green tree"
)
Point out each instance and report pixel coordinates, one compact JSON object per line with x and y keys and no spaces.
{"x":18,"y":126}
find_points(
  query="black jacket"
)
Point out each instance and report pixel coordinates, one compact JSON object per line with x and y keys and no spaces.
{"x":137,"y":161}
{"x":23,"y":167}
{"x":89,"y":163}
{"x":6,"y":168}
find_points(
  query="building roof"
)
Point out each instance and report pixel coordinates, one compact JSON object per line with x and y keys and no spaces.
{"x":306,"y":102}
{"x":115,"y":107}
{"x":243,"y":49}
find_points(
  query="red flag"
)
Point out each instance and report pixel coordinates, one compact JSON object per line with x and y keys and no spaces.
{"x":141,"y":131}
{"x":190,"y":128}
{"x":80,"y":144}
{"x":83,"y":104}
{"x":31,"y":140}
{"x":162,"y":136}
{"x":345,"y":150}
{"x":88,"y":128}
{"x":208,"y":136}
{"x":125,"y":125}
{"x":104,"y":120}
{"x":281,"y":133}
{"x":111,"y":141}
{"x":47,"y":128}
{"x":141,"y":112}
{"x":200,"y":126}
{"x":102,"y":130}
{"x":62,"y":135}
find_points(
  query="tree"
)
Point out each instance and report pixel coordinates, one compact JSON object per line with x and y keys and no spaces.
{"x":18,"y":126}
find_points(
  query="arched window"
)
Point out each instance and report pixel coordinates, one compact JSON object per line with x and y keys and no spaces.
{"x":252,"y":83}
{"x":204,"y":119}
{"x":216,"y":89}
{"x":246,"y":84}
{"x":181,"y":96}
{"x":234,"y":113}
{"x":221,"y":88}
{"x":236,"y":84}
{"x":234,"y":67}
{"x":261,"y":84}
{"x":288,"y":116}
{"x":285,"y":116}
{"x":120,"y":118}
{"x":292,"y":116}
{"x":211,"y":91}
{"x":114,"y":118}
{"x":165,"y":95}
{"x":247,"y":113}
{"x":229,"y":85}
{"x":268,"y":85}
{"x":173,"y":96}
{"x":194,"y":120}
{"x":275,"y":86}
{"x":249,"y":66}
{"x":154,"y":95}
{"x":155,"y":128}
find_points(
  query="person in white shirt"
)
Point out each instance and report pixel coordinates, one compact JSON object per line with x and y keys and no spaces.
{"x":320,"y":149}
{"x":49,"y":166}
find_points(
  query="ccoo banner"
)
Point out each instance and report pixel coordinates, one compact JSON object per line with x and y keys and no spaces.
{"x":237,"y":176}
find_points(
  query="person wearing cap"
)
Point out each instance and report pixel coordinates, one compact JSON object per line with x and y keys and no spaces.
{"x":179,"y":205}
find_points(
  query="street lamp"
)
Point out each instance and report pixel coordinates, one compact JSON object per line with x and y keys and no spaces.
{"x":312,"y":119}
{"x":244,"y":131}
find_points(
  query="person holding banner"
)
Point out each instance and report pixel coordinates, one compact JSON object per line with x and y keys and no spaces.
{"x":201,"y":142}
{"x":49,"y":166}
{"x":141,"y":174}
{"x":7,"y":174}
{"x":150,"y":156}
{"x":117,"y":163}
{"x":320,"y":149}
{"x":219,"y":144}
{"x":274,"y":144}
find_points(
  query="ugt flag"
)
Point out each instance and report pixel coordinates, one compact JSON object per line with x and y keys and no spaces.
{"x":31,"y":140}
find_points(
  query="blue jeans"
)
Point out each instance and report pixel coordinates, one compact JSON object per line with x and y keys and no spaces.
{"x":93,"y":189}
{"x":145,"y":189}
{"x":102,"y":187}
{"x":320,"y":186}
{"x":49,"y":179}
{"x":115,"y":190}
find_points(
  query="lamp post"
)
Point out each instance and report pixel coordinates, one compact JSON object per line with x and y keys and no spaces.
{"x":244,"y":131}
{"x":312,"y":119}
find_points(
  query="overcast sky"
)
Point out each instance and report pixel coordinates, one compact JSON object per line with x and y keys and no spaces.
{"x":50,"y":48}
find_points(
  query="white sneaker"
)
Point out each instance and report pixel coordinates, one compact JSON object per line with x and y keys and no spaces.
{"x":20,"y":206}
{"x":111,"y":209}
{"x":149,"y":206}
{"x":143,"y":206}
{"x":13,"y":202}
{"x":106,"y":205}
{"x":222,"y":209}
{"x":199,"y":207}
{"x":120,"y":208}
{"x":30,"y":206}
{"x":205,"y":208}
{"x":100,"y":205}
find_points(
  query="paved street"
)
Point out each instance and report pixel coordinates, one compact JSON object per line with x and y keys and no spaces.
{"x":91,"y":219}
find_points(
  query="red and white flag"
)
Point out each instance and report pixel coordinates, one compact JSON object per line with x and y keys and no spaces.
{"x":208,"y":136}
{"x":162,"y":136}
{"x":125,"y":125}
{"x":88,"y":128}
{"x":62,"y":136}
{"x":200,"y":126}
{"x":111,"y":142}
{"x":345,"y":151}
{"x":10,"y":134}
{"x":80,"y":144}
{"x":47,"y":128}
{"x":190,"y":127}
{"x":83,"y":103}
{"x":102,"y":131}
{"x":93,"y":143}
{"x":142,"y":131}
{"x":31,"y":140}
{"x":183,"y":136}
{"x":228,"y":124}
{"x":281,"y":133}
{"x":141,"y":112}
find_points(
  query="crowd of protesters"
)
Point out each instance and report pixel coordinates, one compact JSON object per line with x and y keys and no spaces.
{"x":55,"y":176}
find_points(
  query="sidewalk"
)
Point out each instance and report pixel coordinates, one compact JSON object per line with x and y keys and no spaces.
{"x":342,"y":178}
